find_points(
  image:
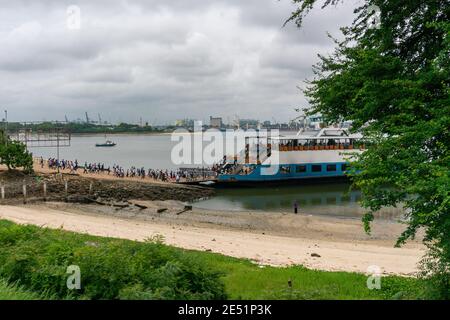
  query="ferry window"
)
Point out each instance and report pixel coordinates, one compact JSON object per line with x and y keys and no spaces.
{"x":331,"y":167}
{"x":300,"y":169}
{"x":285,"y":169}
{"x":343,"y":167}
{"x":316,"y":168}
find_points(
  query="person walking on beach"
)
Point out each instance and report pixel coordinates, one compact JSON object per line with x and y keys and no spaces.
{"x":295,"y":207}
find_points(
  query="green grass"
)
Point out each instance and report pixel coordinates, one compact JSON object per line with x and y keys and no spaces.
{"x":241,"y":278}
{"x":15,"y":292}
{"x":246,"y":280}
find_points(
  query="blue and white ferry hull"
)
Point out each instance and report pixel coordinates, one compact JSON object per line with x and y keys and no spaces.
{"x":305,"y":173}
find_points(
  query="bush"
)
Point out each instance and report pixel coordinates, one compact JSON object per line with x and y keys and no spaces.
{"x":14,"y":155}
{"x":435,"y":268}
{"x":110,"y":268}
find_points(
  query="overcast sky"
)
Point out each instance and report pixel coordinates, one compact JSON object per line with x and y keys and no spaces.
{"x":159,"y":59}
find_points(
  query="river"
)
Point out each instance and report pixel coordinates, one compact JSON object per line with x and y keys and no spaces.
{"x":154,"y":151}
{"x":147,"y":150}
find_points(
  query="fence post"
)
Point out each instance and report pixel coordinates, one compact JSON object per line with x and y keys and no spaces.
{"x":45,"y":190}
{"x":3,"y":190}
{"x":90,"y":188}
{"x":66,"y":189}
{"x":24,"y":190}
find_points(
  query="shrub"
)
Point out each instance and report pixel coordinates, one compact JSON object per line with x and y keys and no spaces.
{"x":435,"y":268}
{"x":110,"y":268}
{"x":14,"y":155}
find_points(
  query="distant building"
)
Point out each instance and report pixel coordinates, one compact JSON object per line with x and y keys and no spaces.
{"x":215,"y":122}
{"x":185,"y":123}
{"x":248,"y":123}
{"x":266,"y":124}
{"x":179,"y":123}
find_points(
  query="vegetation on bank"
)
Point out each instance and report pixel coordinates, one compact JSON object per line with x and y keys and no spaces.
{"x":36,"y":259}
{"x":81,"y":128}
{"x":245,"y":280}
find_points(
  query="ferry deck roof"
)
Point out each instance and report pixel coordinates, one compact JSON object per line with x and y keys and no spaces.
{"x":303,"y":137}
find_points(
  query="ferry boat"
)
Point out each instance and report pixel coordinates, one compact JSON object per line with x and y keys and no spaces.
{"x":315,"y":155}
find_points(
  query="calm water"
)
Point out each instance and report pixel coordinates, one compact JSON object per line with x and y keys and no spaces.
{"x":149,"y":151}
{"x":154,"y":151}
{"x":324,"y":199}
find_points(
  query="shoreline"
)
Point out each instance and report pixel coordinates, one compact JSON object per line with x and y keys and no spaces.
{"x":137,"y":209}
{"x":273,"y":239}
{"x":95,"y":176}
{"x":83,"y":134}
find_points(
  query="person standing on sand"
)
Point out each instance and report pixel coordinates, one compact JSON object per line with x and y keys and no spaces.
{"x":295,"y":207}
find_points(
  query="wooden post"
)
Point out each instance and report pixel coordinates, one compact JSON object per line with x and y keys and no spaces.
{"x":90,"y":188}
{"x":45,"y":190}
{"x":3,"y":190}
{"x":24,"y":190}
{"x":66,"y":189}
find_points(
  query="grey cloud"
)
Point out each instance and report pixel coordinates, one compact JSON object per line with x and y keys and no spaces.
{"x":107,"y":75}
{"x":159,"y":59}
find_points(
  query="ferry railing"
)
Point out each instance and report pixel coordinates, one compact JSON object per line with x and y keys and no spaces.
{"x":321,"y":147}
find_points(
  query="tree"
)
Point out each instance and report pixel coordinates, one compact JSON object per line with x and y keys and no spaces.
{"x":14,"y":155}
{"x":393,"y":82}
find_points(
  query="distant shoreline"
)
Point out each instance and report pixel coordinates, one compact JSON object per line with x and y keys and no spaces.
{"x":120,"y":133}
{"x":131,"y":133}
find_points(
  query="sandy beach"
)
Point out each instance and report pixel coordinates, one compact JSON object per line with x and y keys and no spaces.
{"x":315,"y":242}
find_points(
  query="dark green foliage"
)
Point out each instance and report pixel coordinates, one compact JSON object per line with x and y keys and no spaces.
{"x":393,"y":82}
{"x":84,"y":127}
{"x":14,"y":154}
{"x":436,"y":271}
{"x":110,"y":268}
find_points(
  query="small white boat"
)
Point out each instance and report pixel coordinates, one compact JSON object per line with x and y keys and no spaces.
{"x":108,"y":143}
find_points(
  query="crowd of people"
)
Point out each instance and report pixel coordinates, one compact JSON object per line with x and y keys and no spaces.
{"x":133,"y":172}
{"x":61,"y":164}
